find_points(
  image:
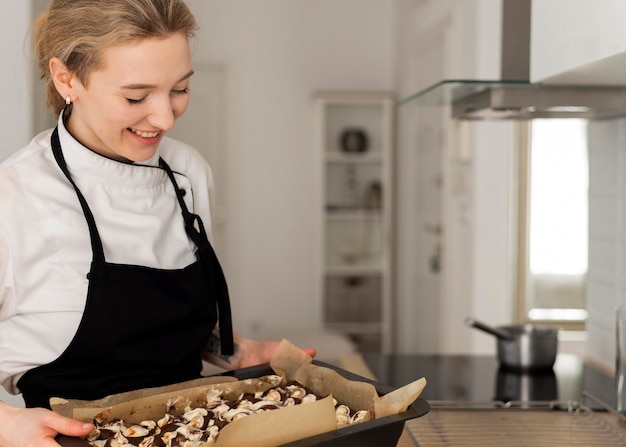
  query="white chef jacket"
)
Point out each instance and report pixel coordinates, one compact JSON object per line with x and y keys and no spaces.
{"x":45,"y":249}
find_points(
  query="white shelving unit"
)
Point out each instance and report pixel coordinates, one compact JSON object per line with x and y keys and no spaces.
{"x":355,"y":135}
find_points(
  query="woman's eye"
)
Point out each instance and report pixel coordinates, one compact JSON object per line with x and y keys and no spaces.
{"x":184,"y":91}
{"x":132,"y":101}
{"x":135,"y":101}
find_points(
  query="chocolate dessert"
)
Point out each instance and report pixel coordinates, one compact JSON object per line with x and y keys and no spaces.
{"x":183,"y":426}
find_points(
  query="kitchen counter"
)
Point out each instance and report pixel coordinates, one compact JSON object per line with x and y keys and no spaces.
{"x":456,"y":382}
{"x":480,"y":378}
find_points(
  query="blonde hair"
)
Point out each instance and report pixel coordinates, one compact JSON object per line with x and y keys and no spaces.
{"x":79,"y":31}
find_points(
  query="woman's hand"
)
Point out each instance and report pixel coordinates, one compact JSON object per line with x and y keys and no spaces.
{"x":248,"y":352}
{"x":253,"y":352}
{"x":29,"y":427}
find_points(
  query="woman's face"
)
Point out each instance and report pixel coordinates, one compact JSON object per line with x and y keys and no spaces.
{"x":126,"y":107}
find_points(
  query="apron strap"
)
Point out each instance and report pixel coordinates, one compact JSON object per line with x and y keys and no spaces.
{"x":96,"y":242}
{"x":196,"y":234}
{"x":216,"y":280}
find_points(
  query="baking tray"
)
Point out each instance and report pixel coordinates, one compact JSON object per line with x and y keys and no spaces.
{"x":383,"y":432}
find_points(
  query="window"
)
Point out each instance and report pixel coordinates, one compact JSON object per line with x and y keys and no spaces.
{"x":556,"y":230}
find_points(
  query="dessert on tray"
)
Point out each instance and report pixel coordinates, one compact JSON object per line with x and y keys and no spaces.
{"x":201,"y":425}
{"x":300,"y":400}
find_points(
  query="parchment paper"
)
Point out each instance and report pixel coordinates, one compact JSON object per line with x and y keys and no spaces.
{"x":265,"y":429}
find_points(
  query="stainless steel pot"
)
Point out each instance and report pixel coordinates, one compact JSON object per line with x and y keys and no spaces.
{"x":523,"y":347}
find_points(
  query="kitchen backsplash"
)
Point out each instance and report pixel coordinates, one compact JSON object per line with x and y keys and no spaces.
{"x":607,"y":236}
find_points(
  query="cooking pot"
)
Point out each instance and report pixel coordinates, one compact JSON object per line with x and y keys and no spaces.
{"x":523,"y":347}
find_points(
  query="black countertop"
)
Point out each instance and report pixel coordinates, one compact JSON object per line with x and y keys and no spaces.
{"x":480,"y":378}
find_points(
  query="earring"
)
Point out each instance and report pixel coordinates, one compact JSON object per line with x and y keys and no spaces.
{"x":68,"y":100}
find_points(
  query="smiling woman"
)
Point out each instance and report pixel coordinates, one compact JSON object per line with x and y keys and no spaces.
{"x":108,"y":279}
{"x":78,"y":33}
{"x":123,"y":109}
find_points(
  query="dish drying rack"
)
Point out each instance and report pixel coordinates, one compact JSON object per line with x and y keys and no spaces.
{"x":517,"y":424}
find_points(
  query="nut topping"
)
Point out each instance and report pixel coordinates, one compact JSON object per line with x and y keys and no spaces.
{"x":201,"y":425}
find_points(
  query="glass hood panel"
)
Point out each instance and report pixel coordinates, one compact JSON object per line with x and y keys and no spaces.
{"x":513,"y":99}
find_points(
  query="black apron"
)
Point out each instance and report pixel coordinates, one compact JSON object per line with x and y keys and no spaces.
{"x":141,"y":327}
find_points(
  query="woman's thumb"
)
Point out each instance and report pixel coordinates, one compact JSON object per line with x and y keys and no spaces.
{"x":70,"y":427}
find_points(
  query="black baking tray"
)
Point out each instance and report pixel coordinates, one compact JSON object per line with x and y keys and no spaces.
{"x":383,"y":432}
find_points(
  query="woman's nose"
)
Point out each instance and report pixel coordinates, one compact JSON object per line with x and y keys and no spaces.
{"x":163,"y":116}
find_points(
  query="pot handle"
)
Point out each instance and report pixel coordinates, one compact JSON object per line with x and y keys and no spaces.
{"x":501,"y":334}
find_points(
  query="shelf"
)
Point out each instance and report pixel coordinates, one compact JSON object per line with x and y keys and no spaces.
{"x":354,"y":186}
{"x":353,"y":270}
{"x":355,"y":150}
{"x":343,"y":157}
{"x":353,"y":299}
{"x":359,"y":214}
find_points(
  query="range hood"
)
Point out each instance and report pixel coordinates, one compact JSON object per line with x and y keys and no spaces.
{"x":513,"y":97}
{"x":528,"y":101}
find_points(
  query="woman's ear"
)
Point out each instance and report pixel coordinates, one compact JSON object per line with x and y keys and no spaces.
{"x":64,"y":80}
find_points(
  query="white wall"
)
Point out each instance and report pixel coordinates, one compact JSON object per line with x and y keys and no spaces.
{"x":479,"y":223}
{"x":606,"y":286}
{"x":588,"y":37}
{"x":452,"y":39}
{"x":15,"y":106}
{"x":276,"y":53}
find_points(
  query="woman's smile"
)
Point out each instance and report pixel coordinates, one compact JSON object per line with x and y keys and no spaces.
{"x":144,"y":134}
{"x":145,"y":82}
